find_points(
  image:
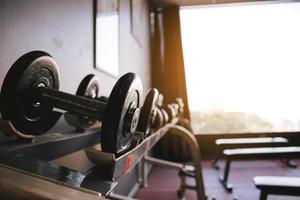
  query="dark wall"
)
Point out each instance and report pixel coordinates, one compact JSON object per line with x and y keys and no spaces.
{"x":64,"y":29}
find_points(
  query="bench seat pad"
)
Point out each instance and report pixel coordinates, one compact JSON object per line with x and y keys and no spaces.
{"x":262,"y":150}
{"x":251,"y":140}
{"x":280,"y":181}
{"x":278,"y":185}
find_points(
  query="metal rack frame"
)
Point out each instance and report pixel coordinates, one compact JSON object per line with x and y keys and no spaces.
{"x":31,"y":158}
{"x":196,"y":167}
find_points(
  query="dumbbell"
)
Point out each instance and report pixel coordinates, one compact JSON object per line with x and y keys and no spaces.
{"x":159,"y":118}
{"x":180,"y":103}
{"x":88,"y":87}
{"x":169,"y":108}
{"x":178,"y":106}
{"x":29,"y":94}
{"x":174,"y":109}
{"x":148,"y":112}
{"x":161,"y":110}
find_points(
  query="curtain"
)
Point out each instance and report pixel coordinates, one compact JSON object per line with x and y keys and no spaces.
{"x":168,"y":73}
{"x":167,"y":58}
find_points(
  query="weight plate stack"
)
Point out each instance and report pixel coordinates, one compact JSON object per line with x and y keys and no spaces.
{"x":19,"y":102}
{"x":148,"y":112}
{"x":88,"y":87}
{"x":121,"y":114}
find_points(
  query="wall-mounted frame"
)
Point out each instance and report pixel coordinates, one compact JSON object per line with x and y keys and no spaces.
{"x":136,"y":18}
{"x":106,"y":36}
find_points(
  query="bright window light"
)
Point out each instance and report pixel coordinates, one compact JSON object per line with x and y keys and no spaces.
{"x":242,"y":64}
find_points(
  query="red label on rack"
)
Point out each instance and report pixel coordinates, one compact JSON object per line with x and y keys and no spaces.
{"x":128,"y":163}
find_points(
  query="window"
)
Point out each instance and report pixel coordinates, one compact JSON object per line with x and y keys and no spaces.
{"x":242,"y":65}
{"x":107,"y":36}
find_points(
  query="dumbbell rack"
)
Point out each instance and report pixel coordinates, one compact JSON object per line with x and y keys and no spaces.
{"x":32,"y":158}
{"x":47,"y":146}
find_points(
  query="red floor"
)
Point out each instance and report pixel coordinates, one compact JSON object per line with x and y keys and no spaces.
{"x":163,"y":182}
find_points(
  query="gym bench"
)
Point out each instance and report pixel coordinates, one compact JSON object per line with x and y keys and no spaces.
{"x":285,"y":153}
{"x":234,"y":143}
{"x":277,"y":185}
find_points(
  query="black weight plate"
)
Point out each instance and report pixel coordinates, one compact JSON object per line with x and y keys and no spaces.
{"x":160,"y":100}
{"x":181,"y":105}
{"x":88,"y":87}
{"x":175,"y":107}
{"x":159,"y":119}
{"x":165,"y":116}
{"x":171,"y":112}
{"x":148,"y":111}
{"x":127,"y":90}
{"x":19,"y":103}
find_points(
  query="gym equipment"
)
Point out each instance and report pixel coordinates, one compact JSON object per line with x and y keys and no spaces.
{"x":88,"y":87}
{"x":121,"y":114}
{"x":163,"y":112}
{"x":31,"y":104}
{"x":31,"y":159}
{"x":171,"y":111}
{"x":159,"y":119}
{"x":18,"y":100}
{"x":196,"y":168}
{"x":236,"y":143}
{"x":287,"y":153}
{"x":277,"y":185}
{"x":148,"y":112}
{"x":159,"y":116}
{"x":180,"y":103}
{"x":165,"y":116}
{"x":30,"y":92}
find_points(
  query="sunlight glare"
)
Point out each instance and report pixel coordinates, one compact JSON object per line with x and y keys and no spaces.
{"x":243,"y":58}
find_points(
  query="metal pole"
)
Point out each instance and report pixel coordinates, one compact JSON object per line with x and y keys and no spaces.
{"x":143,"y":174}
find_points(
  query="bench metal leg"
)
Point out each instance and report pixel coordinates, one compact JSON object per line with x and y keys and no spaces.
{"x":224,"y":180}
{"x":263,"y":195}
{"x":181,"y":190}
{"x":215,"y":161}
{"x":215,"y":164}
{"x":289,"y":163}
